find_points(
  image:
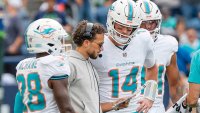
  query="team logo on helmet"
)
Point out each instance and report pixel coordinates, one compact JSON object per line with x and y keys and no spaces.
{"x":45,"y":31}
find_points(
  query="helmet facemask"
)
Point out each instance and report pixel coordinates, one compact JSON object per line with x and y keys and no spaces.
{"x":153,"y":26}
{"x":66,"y":46}
{"x":120,"y":38}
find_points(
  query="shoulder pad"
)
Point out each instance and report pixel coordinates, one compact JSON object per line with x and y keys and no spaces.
{"x":51,"y":59}
{"x":141,"y":30}
{"x":172,"y":42}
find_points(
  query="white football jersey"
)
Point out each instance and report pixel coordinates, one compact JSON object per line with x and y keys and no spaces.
{"x":32,"y":78}
{"x":120,"y":69}
{"x":165,"y":47}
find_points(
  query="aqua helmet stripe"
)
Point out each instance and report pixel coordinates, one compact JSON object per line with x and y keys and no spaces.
{"x":130,"y":13}
{"x":147,"y":7}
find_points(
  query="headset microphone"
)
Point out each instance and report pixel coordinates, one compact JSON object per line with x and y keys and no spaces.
{"x":100,"y":55}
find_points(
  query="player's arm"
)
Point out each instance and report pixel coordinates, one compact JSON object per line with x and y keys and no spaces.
{"x":60,"y":91}
{"x":175,"y":85}
{"x":193,"y":95}
{"x":150,"y":62}
{"x":194,"y":81}
{"x":150,"y":90}
{"x":151,"y":77}
{"x":152,"y":73}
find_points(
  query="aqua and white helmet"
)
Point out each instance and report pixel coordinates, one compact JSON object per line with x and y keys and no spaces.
{"x":123,"y":12}
{"x":150,"y":11}
{"x":45,"y":35}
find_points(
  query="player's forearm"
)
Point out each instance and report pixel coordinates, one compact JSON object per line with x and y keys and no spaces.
{"x":175,"y":83}
{"x":107,"y":106}
{"x":193,"y":95}
{"x":63,"y":103}
{"x":61,"y":95}
{"x":175,"y":86}
{"x":176,"y":92}
{"x":67,"y":109}
{"x":191,"y":101}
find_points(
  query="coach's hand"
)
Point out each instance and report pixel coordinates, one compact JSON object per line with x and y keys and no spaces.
{"x":145,"y":105}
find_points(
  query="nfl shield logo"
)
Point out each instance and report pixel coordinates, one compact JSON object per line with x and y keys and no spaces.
{"x":124,"y":54}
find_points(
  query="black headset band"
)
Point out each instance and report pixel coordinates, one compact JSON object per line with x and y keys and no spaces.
{"x":88,"y":30}
{"x":89,"y":27}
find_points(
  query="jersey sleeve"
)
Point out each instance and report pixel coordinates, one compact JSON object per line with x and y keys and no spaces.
{"x":173,"y":44}
{"x":150,"y":59}
{"x":195,"y":69}
{"x":55,"y":68}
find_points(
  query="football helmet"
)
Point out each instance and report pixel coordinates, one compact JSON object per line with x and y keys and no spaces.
{"x":45,"y":35}
{"x":150,"y":12}
{"x":125,"y":13}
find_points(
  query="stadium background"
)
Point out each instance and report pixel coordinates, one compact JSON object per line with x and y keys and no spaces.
{"x":181,"y":19}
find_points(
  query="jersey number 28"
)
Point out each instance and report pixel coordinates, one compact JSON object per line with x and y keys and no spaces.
{"x":32,"y":87}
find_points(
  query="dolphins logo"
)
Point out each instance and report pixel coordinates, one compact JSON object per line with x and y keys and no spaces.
{"x":46,"y":32}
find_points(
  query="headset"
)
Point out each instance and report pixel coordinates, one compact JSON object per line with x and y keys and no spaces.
{"x":88,"y":30}
{"x":88,"y":33}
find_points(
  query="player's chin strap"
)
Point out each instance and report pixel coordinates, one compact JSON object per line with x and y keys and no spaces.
{"x":150,"y":91}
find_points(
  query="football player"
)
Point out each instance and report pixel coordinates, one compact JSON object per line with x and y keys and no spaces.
{"x":42,"y":80}
{"x":126,"y":49}
{"x":165,"y":50}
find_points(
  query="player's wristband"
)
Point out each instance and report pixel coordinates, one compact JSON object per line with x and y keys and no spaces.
{"x":150,"y":91}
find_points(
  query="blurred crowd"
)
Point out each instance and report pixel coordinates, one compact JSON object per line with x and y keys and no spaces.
{"x":15,"y":16}
{"x":181,"y":19}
